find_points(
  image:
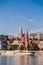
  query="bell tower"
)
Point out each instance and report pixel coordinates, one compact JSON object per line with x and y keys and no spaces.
{"x":20,"y":31}
{"x":26,"y":40}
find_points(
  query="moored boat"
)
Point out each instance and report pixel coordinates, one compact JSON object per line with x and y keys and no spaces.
{"x":24,"y":54}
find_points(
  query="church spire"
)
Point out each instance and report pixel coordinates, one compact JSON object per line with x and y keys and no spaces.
{"x":20,"y":30}
{"x":26,"y":39}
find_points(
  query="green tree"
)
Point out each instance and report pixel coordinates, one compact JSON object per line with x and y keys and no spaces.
{"x":21,"y":48}
{"x":34,"y":47}
{"x":35,"y":38}
{"x":10,"y":47}
{"x":16,"y":47}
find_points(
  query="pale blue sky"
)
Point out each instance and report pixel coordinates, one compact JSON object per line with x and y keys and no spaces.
{"x":25,"y":13}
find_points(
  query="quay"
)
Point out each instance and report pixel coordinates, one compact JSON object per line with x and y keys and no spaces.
{"x":12,"y":53}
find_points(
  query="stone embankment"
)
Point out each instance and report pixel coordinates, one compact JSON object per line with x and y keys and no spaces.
{"x":39,"y":53}
{"x":11,"y":53}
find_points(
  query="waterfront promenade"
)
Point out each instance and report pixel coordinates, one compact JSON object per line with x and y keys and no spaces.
{"x":11,"y":53}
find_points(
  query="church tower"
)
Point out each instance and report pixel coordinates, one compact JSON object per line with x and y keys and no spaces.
{"x":26,"y":40}
{"x":20,"y":31}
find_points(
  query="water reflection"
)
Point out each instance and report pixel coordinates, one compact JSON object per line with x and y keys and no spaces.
{"x":25,"y":60}
{"x":33,"y":60}
{"x":3,"y":60}
{"x":21,"y":60}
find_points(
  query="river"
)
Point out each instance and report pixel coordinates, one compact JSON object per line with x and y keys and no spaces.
{"x":21,"y":60}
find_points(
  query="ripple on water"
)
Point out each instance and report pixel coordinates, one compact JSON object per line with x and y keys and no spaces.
{"x":21,"y":60}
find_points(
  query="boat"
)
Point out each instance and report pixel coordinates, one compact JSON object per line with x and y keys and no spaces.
{"x":24,"y":54}
{"x":17,"y":53}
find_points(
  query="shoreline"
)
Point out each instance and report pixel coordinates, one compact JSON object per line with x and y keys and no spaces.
{"x":11,"y":53}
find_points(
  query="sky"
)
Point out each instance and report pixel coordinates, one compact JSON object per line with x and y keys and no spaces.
{"x":17,"y":13}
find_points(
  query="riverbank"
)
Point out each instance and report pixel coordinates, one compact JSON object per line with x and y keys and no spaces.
{"x":39,"y":53}
{"x":11,"y":53}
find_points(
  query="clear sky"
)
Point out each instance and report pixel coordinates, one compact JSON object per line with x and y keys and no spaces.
{"x":25,"y":13}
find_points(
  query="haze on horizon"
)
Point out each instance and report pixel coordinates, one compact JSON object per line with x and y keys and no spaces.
{"x":25,"y":13}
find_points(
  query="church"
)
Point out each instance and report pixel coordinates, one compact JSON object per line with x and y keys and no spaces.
{"x":24,"y":38}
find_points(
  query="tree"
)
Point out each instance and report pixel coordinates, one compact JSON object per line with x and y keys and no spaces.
{"x":21,"y":48}
{"x":10,"y":47}
{"x":35,"y":38}
{"x":16,"y":47}
{"x":34,"y":47}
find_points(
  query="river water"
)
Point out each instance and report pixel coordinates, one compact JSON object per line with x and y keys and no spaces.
{"x":21,"y":60}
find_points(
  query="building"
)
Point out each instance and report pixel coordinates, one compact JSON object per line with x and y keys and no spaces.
{"x":22,"y":39}
{"x":4,"y":45}
{"x":20,"y":35}
{"x":26,"y":40}
{"x":36,"y":35}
